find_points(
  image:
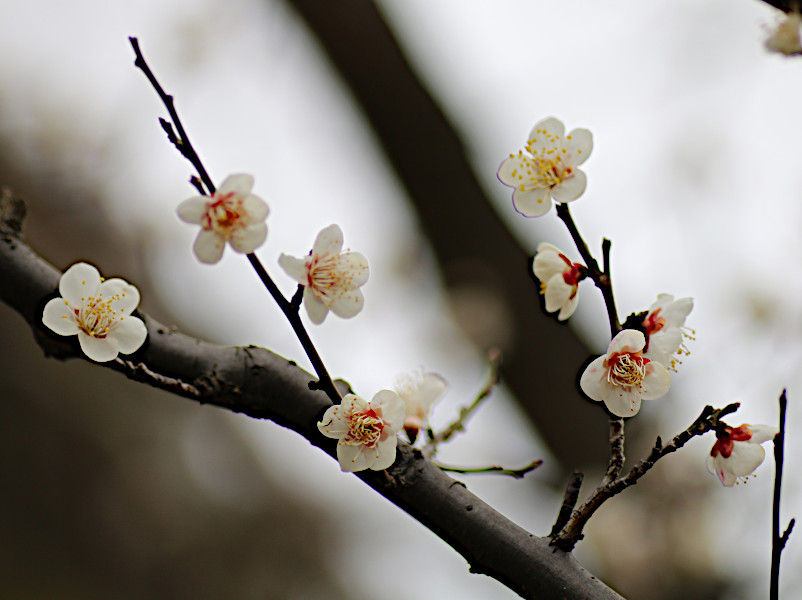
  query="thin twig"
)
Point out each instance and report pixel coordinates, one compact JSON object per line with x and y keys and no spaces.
{"x":495,"y":470}
{"x":778,"y":541}
{"x":181,"y":141}
{"x":567,"y":538}
{"x":465,"y":413}
{"x":600,"y":277}
{"x":569,"y":502}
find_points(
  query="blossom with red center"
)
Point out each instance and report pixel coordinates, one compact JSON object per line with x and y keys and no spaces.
{"x":738,"y":451}
{"x":624,"y":376}
{"x":548,"y":167}
{"x":366,"y":430}
{"x":559,"y":279}
{"x":98,"y":312}
{"x":331,"y":277}
{"x":664,"y":328}
{"x":232,"y":214}
{"x":419,"y":391}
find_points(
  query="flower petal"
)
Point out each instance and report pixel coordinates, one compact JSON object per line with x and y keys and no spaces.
{"x":349,"y":304}
{"x":593,"y":377}
{"x":628,"y":340}
{"x":294,"y":267}
{"x":572,"y":188}
{"x":125,"y":296}
{"x":508,"y":166}
{"x":209,"y":247}
{"x":256,"y":208}
{"x":192,"y":209}
{"x":579,"y":146}
{"x":355,"y":457}
{"x":80,"y":281}
{"x":557,"y":293}
{"x":129,"y":334}
{"x":239,"y":183}
{"x":315,"y":307}
{"x":656,"y":382}
{"x":569,"y":308}
{"x":762,"y":433}
{"x":620,"y":401}
{"x":393,"y":409}
{"x":59,"y":316}
{"x":548,"y":263}
{"x":329,"y":240}
{"x":248,"y":239}
{"x":333,"y":424}
{"x":385,"y":454}
{"x":545,"y":131}
{"x":355,"y":266}
{"x":98,"y":349}
{"x":532,"y":203}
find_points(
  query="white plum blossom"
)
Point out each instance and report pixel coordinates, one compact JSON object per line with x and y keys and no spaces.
{"x":367,"y":430}
{"x":737,"y":451}
{"x":331,"y":277}
{"x":785,"y":38}
{"x":623,"y":377}
{"x":664,"y":327}
{"x":547,"y":168}
{"x":232,"y":214}
{"x":419,"y":391}
{"x":98,"y":312}
{"x":559,"y":279}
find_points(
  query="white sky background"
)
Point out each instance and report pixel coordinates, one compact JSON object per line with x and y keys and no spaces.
{"x":694,"y":177}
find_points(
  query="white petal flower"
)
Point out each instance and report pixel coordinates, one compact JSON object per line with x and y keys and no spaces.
{"x":664,"y":327}
{"x":623,"y":377}
{"x":98,"y":312}
{"x":366,"y":430}
{"x":548,"y":167}
{"x":331,"y":278}
{"x":785,"y":38}
{"x":232,"y":214}
{"x":559,"y":279}
{"x":737,"y":451}
{"x":419,"y":391}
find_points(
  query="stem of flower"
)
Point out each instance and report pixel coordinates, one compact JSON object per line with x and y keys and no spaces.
{"x":778,"y":541}
{"x":183,"y":145}
{"x":600,"y":277}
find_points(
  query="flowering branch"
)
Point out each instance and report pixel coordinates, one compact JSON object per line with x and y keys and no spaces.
{"x":263,"y":385}
{"x":494,"y":359}
{"x":571,"y":533}
{"x":183,"y":145}
{"x":778,"y":541}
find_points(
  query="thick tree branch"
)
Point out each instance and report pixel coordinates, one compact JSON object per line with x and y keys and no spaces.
{"x":261,"y":384}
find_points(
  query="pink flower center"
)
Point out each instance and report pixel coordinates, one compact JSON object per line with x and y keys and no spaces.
{"x":224,"y":214}
{"x":626,"y":368}
{"x":365,"y":428}
{"x":97,"y":317}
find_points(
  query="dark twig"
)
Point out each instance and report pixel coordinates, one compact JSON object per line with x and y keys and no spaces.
{"x":182,"y":143}
{"x":494,"y":359}
{"x":495,"y":470}
{"x":567,"y":538}
{"x":569,"y":502}
{"x":778,"y":541}
{"x":600,"y":277}
{"x":616,"y":449}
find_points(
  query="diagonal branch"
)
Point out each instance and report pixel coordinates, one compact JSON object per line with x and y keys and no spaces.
{"x":261,"y":384}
